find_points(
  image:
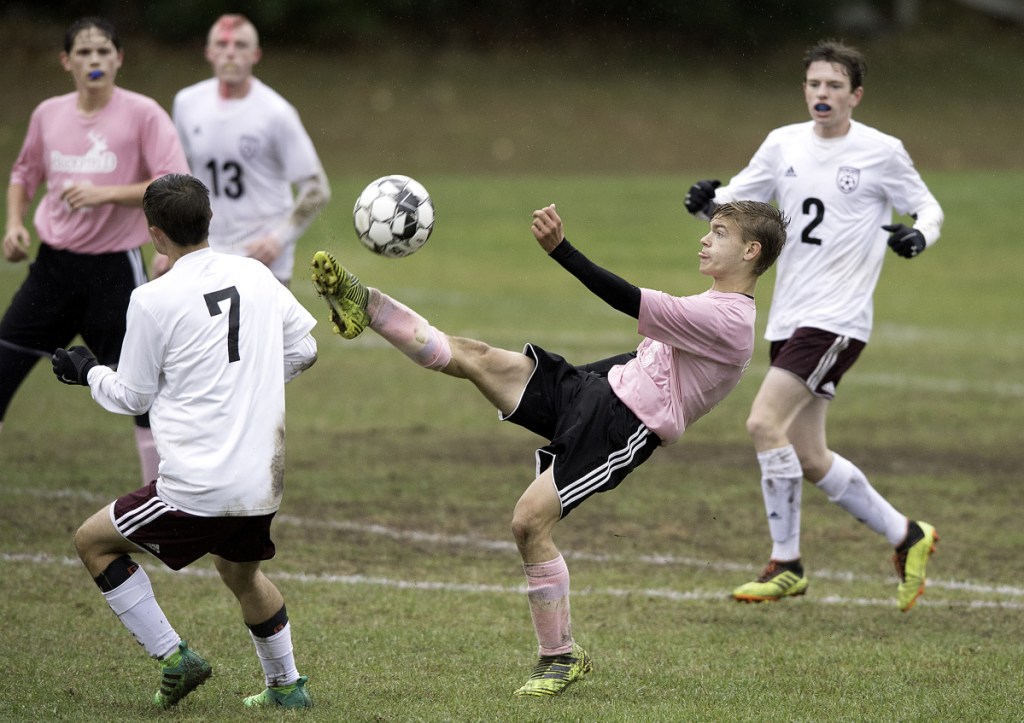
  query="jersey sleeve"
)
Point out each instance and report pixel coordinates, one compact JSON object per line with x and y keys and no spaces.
{"x":143,"y":349}
{"x":297,"y":151}
{"x":756,"y":182}
{"x":298,"y":322}
{"x":178,"y":119}
{"x":697,"y":325}
{"x":29,"y":168}
{"x":162,"y":152}
{"x":910,"y":196}
{"x":133,"y":387}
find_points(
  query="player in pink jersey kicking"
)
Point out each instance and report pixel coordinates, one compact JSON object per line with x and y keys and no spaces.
{"x":93,"y":151}
{"x":604,"y":419}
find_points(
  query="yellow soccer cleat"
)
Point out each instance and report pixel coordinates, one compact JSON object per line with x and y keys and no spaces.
{"x":910,"y":559}
{"x":776,"y":581}
{"x":344,"y":293}
{"x":554,"y":673}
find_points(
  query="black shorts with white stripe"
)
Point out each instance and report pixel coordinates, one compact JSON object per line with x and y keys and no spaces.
{"x":818,"y":357}
{"x":178,"y":538}
{"x":595,"y":440}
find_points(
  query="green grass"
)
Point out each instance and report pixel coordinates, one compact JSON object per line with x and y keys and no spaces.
{"x":394,"y":551}
{"x":395,"y":556}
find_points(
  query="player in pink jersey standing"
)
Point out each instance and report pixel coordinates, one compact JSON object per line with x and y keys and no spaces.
{"x":839,"y":181}
{"x":93,"y":152}
{"x":603,"y":419}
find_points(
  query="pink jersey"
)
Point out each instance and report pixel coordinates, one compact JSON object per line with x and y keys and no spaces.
{"x":131,"y":140}
{"x":695,"y":351}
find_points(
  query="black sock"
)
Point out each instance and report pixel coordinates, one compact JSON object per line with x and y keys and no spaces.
{"x":269,"y":627}
{"x":914,"y":535}
{"x":116,"y":573}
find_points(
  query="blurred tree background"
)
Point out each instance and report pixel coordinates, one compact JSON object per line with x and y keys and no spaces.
{"x":344,"y":24}
{"x":564,"y":86}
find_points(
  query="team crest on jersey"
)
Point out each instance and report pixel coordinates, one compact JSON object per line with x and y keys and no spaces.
{"x":847,"y":179}
{"x":248,"y":146}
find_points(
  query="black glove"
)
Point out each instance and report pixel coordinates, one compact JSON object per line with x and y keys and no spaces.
{"x":72,"y":365}
{"x":907,"y":242}
{"x":699,"y":199}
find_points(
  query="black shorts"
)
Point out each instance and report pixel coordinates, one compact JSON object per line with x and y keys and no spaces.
{"x":67,"y":294}
{"x":595,"y":440}
{"x":178,"y":539}
{"x":819,"y":358}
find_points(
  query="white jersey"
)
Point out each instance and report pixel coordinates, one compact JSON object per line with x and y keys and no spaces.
{"x":837,"y":193}
{"x":248,"y":151}
{"x":206,"y":342}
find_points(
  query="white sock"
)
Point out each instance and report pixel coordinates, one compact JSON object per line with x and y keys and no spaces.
{"x":136,"y":607}
{"x":849,"y":488}
{"x":276,"y":657}
{"x":781,"y":485}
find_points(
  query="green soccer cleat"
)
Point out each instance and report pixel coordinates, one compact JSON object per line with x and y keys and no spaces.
{"x":344,"y":294}
{"x":776,"y":581}
{"x":282,"y":696}
{"x":910,"y":560}
{"x":184,"y":670}
{"x":554,"y":673}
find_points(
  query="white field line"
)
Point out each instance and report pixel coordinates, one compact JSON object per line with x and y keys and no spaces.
{"x":433,"y":586}
{"x":507,"y":546}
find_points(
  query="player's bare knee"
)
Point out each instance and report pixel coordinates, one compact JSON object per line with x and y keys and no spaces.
{"x":525,"y":526}
{"x":815,"y":466}
{"x":82,"y":543}
{"x":761,"y":428}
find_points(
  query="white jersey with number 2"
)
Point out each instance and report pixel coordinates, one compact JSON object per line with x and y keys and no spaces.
{"x":837,"y":193}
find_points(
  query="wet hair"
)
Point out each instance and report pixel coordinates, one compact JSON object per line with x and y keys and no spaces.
{"x":835,"y":52}
{"x":760,"y":222}
{"x":104,"y":26}
{"x":232,"y":21}
{"x":179,"y":205}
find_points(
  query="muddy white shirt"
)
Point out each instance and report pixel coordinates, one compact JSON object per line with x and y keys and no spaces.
{"x":248,"y":151}
{"x":837,"y":193}
{"x":696,"y":350}
{"x":206,"y":343}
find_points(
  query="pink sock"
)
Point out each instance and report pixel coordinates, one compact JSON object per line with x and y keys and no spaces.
{"x":547,"y":586}
{"x":407,"y":331}
{"x":148,"y":457}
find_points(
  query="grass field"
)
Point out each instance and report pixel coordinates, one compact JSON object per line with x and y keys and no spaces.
{"x":394,"y":552}
{"x":404,"y":588}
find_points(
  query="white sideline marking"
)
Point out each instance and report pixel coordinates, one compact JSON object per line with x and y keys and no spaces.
{"x":476,"y":543}
{"x":429,"y":585}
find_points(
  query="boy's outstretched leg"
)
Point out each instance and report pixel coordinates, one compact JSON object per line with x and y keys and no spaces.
{"x":354,"y":307}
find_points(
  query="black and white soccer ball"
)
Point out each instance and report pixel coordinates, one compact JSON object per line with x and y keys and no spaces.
{"x":394,"y":216}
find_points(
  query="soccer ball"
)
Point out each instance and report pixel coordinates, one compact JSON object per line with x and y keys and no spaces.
{"x":394,"y":216}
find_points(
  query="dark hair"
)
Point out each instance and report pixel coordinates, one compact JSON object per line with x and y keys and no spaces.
{"x":760,"y":222}
{"x":833,"y":51}
{"x":179,"y":205}
{"x":102,"y":24}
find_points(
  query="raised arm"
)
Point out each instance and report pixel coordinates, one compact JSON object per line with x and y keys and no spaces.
{"x":612,"y":289}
